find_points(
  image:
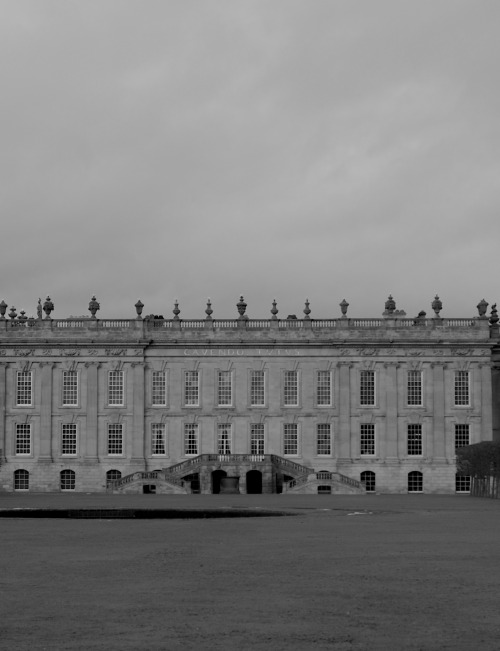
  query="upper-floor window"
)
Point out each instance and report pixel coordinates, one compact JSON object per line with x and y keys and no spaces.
{"x":291,"y":439}
{"x":462,"y":435}
{"x":191,"y":439}
{"x":462,"y":388}
{"x":68,"y":439}
{"x":323,"y":440}
{"x":324,"y":388}
{"x":70,"y":388}
{"x":223,"y":438}
{"x":367,"y":439}
{"x":116,"y":388}
{"x":158,"y":439}
{"x":291,"y":388}
{"x":367,"y":388}
{"x":414,"y":388}
{"x":115,"y":438}
{"x":414,"y":439}
{"x":257,"y":438}
{"x":257,"y":389}
{"x":159,"y":389}
{"x":224,"y":389}
{"x":23,"y":439}
{"x":191,"y":389}
{"x":24,"y":389}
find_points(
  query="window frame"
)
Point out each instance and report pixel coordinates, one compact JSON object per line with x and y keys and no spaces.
{"x":458,"y":388}
{"x":195,"y":427}
{"x":72,"y":480}
{"x":119,"y":430}
{"x":186,"y":387}
{"x":257,"y":436}
{"x":251,"y":402}
{"x":18,"y":441}
{"x":418,"y":477}
{"x":413,"y":387}
{"x":367,"y":430}
{"x":364,"y":373}
{"x":65,"y":387}
{"x":329,"y":439}
{"x":161,"y":428}
{"x":465,"y":427}
{"x":286,"y":386}
{"x":224,"y":445}
{"x":221,"y":387}
{"x":329,"y":375}
{"x":21,"y":479}
{"x":121,"y":388}
{"x":19,"y":389}
{"x":285,"y":443}
{"x":369,"y":479}
{"x":74,"y":426}
{"x":164,"y":390}
{"x":414,"y":440}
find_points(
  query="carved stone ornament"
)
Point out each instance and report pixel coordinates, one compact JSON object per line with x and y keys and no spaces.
{"x":48,"y":307}
{"x":139,"y":306}
{"x":390,"y":305}
{"x":437,"y":306}
{"x":3,"y":309}
{"x":274,"y":311}
{"x":115,"y":352}
{"x":343,"y":307}
{"x":93,"y":307}
{"x":482,"y":306}
{"x":242,"y":306}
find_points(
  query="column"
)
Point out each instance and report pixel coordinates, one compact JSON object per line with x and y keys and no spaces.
{"x":439,"y":433}
{"x":3,"y":402}
{"x":344,"y":434}
{"x":91,"y":448}
{"x":138,"y":434}
{"x":46,"y":412}
{"x":486,"y":402}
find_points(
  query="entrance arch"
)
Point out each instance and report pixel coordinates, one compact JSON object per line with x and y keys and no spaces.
{"x":217,"y":475}
{"x":254,"y":482}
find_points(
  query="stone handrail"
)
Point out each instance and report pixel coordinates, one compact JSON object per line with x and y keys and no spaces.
{"x":285,"y":463}
{"x":141,"y":475}
{"x":324,"y":475}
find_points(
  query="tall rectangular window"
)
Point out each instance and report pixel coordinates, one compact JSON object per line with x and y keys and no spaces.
{"x":68,"y":439}
{"x":291,"y":388}
{"x":24,"y":389}
{"x":324,"y":388}
{"x":223,"y":438}
{"x":415,"y":388}
{"x":23,"y":439}
{"x":367,"y":439}
{"x":115,"y":438}
{"x":367,"y":388}
{"x":224,"y":389}
{"x":462,"y":435}
{"x":414,"y":440}
{"x":70,"y":388}
{"x":191,"y":439}
{"x":257,"y":438}
{"x":462,"y":389}
{"x":291,"y":439}
{"x":191,"y":389}
{"x":115,"y":388}
{"x":257,"y":389}
{"x":158,"y":439}
{"x":323,"y":440}
{"x":159,"y":389}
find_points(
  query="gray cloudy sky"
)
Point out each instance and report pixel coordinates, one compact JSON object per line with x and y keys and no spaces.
{"x":162,"y":149}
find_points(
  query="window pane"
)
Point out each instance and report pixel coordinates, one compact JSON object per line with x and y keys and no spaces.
{"x":290,"y":440}
{"x":24,"y":388}
{"x":415,"y":388}
{"x":21,"y":480}
{"x":257,"y":395}
{"x":115,"y":388}
{"x":415,"y":482}
{"x":191,"y":388}
{"x":23,"y":439}
{"x":67,"y":480}
{"x":324,"y":388}
{"x":158,"y":438}
{"x":159,"y":388}
{"x":462,"y":388}
{"x":257,"y":438}
{"x":291,"y":388}
{"x":367,"y":439}
{"x":190,"y":438}
{"x":368,"y":479}
{"x":462,"y":436}
{"x":224,"y":396}
{"x":414,"y":439}
{"x":115,"y":439}
{"x":367,"y":388}
{"x":323,"y":440}
{"x":68,"y":442}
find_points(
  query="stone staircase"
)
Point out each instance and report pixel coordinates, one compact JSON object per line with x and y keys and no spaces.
{"x":136,"y":481}
{"x":325,"y":482}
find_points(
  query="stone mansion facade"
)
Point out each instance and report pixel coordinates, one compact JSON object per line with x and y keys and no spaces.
{"x":261,"y":405}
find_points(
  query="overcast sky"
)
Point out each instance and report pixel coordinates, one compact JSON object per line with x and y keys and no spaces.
{"x":321,"y":149}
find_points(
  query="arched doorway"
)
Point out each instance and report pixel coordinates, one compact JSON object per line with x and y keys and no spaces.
{"x":217,"y":475}
{"x":254,"y":482}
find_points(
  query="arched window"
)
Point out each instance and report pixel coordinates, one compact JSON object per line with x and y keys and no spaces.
{"x":21,"y":480}
{"x":111,"y":475}
{"x":68,"y":480}
{"x":368,"y":479}
{"x":415,"y":482}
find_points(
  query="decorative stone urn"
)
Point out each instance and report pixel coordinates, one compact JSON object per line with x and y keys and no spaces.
{"x":93,"y":307}
{"x":343,"y":307}
{"x":481,"y":308}
{"x":139,"y":306}
{"x":437,"y":306}
{"x":242,"y":306}
{"x":48,"y":307}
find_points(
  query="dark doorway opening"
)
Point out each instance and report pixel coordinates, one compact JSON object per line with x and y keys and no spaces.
{"x":217,"y":475}
{"x":254,"y":482}
{"x":149,"y":489}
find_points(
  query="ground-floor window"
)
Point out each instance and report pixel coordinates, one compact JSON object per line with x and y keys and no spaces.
{"x":68,"y":480}
{"x":112,"y":475}
{"x":462,"y":484}
{"x":368,"y":479}
{"x":21,"y":480}
{"x":324,"y":490}
{"x":415,"y":482}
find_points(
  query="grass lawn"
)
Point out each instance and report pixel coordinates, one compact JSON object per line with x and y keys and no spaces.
{"x":345,"y":573}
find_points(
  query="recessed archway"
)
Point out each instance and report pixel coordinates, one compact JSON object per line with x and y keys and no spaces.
{"x":254,"y":482}
{"x":217,"y":475}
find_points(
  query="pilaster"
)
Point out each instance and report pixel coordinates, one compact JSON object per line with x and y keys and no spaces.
{"x":46,"y":452}
{"x":344,"y":435}
{"x":91,"y":449}
{"x":138,"y":433}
